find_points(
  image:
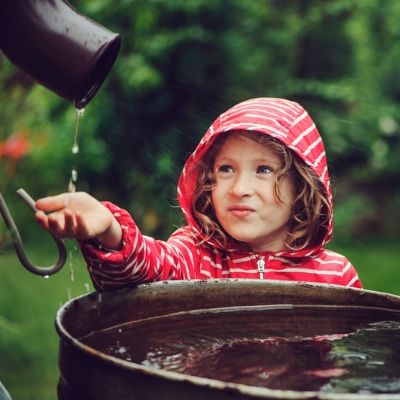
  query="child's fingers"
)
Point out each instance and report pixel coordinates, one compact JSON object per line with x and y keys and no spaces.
{"x":52,"y":203}
{"x":70,"y":226}
{"x":42,"y":219}
{"x":56,"y":223}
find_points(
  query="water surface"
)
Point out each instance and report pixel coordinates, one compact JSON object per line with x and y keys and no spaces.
{"x":302,"y":348}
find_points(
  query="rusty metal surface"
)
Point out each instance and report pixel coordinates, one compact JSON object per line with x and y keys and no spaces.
{"x":92,"y":375}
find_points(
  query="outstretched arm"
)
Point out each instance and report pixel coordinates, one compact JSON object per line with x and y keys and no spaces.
{"x":141,"y":258}
{"x":122,"y":255}
{"x":79,"y":216}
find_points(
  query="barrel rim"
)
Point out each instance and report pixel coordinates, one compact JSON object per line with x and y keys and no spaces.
{"x":252,"y":391}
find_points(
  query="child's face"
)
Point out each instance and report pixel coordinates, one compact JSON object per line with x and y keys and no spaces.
{"x":244,"y":194}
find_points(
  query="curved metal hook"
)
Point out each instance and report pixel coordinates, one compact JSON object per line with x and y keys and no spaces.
{"x":19,"y":248}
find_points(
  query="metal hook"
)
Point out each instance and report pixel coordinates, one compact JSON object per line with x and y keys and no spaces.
{"x":19,"y":248}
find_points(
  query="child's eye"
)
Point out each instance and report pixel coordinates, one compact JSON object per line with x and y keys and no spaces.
{"x":225,"y":169}
{"x":263,"y":169}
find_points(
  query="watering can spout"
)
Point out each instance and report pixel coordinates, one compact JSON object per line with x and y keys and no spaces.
{"x":17,"y":241}
{"x":64,"y":51}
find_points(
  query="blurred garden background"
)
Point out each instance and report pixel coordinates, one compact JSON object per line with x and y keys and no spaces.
{"x":182,"y":63}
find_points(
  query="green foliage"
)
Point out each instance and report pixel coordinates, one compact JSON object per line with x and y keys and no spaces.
{"x":184,"y":62}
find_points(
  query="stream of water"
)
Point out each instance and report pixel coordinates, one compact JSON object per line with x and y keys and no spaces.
{"x":75,"y":150}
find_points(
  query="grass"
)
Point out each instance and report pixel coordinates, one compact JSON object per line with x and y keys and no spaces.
{"x":377,"y":263}
{"x":28,"y":305}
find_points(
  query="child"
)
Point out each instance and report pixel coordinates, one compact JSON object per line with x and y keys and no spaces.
{"x":256,"y":197}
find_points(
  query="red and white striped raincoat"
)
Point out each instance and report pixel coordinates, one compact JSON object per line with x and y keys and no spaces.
{"x":145,"y":259}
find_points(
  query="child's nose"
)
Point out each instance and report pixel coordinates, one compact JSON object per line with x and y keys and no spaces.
{"x":242,"y":186}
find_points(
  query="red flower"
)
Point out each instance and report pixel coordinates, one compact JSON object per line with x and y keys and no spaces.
{"x":15,"y":146}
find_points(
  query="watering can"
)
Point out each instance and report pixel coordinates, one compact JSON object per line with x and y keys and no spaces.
{"x":65,"y":52}
{"x":62,"y":50}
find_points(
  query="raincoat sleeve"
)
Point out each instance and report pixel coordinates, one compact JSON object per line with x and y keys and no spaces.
{"x":350,"y":276}
{"x":141,"y":258}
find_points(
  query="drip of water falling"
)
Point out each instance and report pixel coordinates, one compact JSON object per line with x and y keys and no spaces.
{"x":87,"y":287}
{"x":99,"y":304}
{"x":72,"y":181}
{"x":71,"y":269}
{"x":69,"y":294}
{"x":46,"y":276}
{"x":75,"y":150}
{"x":79,"y":115}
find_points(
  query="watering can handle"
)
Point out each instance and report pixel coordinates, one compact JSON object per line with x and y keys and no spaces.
{"x":62,"y":253}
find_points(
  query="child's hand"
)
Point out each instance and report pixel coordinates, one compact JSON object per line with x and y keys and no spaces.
{"x":79,"y":216}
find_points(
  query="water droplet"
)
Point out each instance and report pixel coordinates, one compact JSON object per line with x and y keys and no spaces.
{"x":72,"y":181}
{"x":46,"y":276}
{"x":122,"y":350}
{"x":80,"y":112}
{"x":71,"y":186}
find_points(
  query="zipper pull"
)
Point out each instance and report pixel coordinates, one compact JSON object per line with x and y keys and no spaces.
{"x":261,"y":267}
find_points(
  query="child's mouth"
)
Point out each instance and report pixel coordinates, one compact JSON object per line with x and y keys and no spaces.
{"x":240,"y":211}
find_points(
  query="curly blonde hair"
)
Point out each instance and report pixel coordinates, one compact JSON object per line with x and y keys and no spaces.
{"x":309,"y":222}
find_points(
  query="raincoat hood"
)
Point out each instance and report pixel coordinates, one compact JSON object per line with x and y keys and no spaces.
{"x":281,"y":119}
